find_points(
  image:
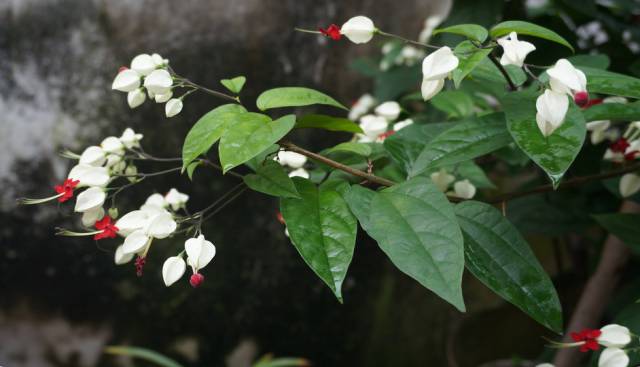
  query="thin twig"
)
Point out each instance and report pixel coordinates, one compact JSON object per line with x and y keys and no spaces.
{"x":495,"y":62}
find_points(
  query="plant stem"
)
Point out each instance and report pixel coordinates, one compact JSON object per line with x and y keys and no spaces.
{"x":406,"y":40}
{"x":495,"y":62}
{"x":225,"y":96}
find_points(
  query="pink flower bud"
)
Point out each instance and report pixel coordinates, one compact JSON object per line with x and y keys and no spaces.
{"x":196,"y":280}
{"x":581,"y":98}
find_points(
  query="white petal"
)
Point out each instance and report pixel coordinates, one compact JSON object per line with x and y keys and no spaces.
{"x":126,"y":81}
{"x":158,"y":60}
{"x":199,"y":252}
{"x":173,"y":107}
{"x":135,"y":242}
{"x":373,"y":126}
{"x":598,"y":125}
{"x":439,"y":64}
{"x":120,"y":258}
{"x":93,"y":156}
{"x":162,"y":98}
{"x":176,"y":199}
{"x":464,"y":189}
{"x":143,"y":64}
{"x":358,"y":29}
{"x":300,"y":172}
{"x":173,"y":269}
{"x":161,"y":226}
{"x":291,"y":159}
{"x":430,"y":88}
{"x":91,"y":216}
{"x":158,"y":82}
{"x":565,"y":78}
{"x":402,"y":124}
{"x":545,"y":365}
{"x":131,"y":222}
{"x":629,"y":184}
{"x":389,"y":110}
{"x":613,"y":357}
{"x":442,"y":179}
{"x":156,"y":199}
{"x":614,"y":335}
{"x":136,"y":97}
{"x":90,"y":175}
{"x":551,"y":110}
{"x":515,"y":51}
{"x":90,"y":198}
{"x":112,"y":144}
{"x":129,"y":138}
{"x":362,"y":106}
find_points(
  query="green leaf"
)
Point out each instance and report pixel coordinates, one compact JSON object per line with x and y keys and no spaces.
{"x":530,"y":29}
{"x":499,"y":257}
{"x":250,"y":136}
{"x":405,"y":145}
{"x":268,"y":361}
{"x":234,"y":85}
{"x":606,"y":82}
{"x":270,"y":178}
{"x":485,"y":70}
{"x":397,"y":81}
{"x":207,"y":130}
{"x":456,"y":104}
{"x":472,"y":31}
{"x":475,"y":174}
{"x":323,"y":230}
{"x":268,"y":153}
{"x":469,"y":57}
{"x":144,"y":354}
{"x":555,"y":153}
{"x":330,"y":123}
{"x":414,"y":224}
{"x":357,"y":148}
{"x":294,"y":97}
{"x":598,"y":61}
{"x":465,"y":140}
{"x":624,"y":226}
{"x":613,"y":111}
{"x":191,"y":168}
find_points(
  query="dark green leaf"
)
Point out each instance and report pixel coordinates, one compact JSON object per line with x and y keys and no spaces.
{"x":475,"y":174}
{"x":328,"y":123}
{"x":405,"y":145}
{"x":526,"y":28}
{"x":144,"y":354}
{"x":396,"y":81}
{"x":357,"y":148}
{"x":606,"y":82}
{"x":294,"y":97}
{"x":250,"y":136}
{"x":456,"y":104}
{"x":598,"y":61}
{"x":472,"y":31}
{"x":270,"y":178}
{"x":613,"y":111}
{"x":469,"y":57}
{"x":208,"y":130}
{"x":499,"y":257}
{"x":323,"y":230}
{"x":234,"y":85}
{"x":624,"y":226}
{"x":485,"y":70}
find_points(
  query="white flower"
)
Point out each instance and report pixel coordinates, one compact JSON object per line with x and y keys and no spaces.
{"x":402,"y":124}
{"x":112,"y":145}
{"x":93,"y":156}
{"x":429,"y":25}
{"x":565,"y":78}
{"x":91,"y":216}
{"x":551,"y":110}
{"x":162,"y":98}
{"x":373,"y":126}
{"x":613,"y":357}
{"x":131,"y":222}
{"x":610,"y":155}
{"x":442,"y":179}
{"x":200,"y":252}
{"x":464,"y":189}
{"x":173,"y":107}
{"x":615,"y":99}
{"x":629,"y":184}
{"x":362,"y":106}
{"x":158,"y":82}
{"x":136,"y":97}
{"x":173,"y":269}
{"x":515,"y":51}
{"x":120,"y":258}
{"x":634,"y":146}
{"x":358,"y":29}
{"x":176,"y":199}
{"x":435,"y":68}
{"x":143,"y":64}
{"x":158,"y":226}
{"x":159,"y":61}
{"x":614,"y":335}
{"x":130,"y":139}
{"x":389,"y":110}
{"x":291,"y":159}
{"x":545,"y":365}
{"x":300,"y":172}
{"x":598,"y":130}
{"x":409,"y":55}
{"x":156,"y":200}
{"x":89,"y":175}
{"x":126,"y":81}
{"x":89,"y":199}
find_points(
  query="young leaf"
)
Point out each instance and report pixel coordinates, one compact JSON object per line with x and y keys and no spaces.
{"x":207,"y":130}
{"x":465,"y":140}
{"x":606,"y":82}
{"x":499,"y":257}
{"x":234,"y":85}
{"x":250,"y":136}
{"x":270,"y":178}
{"x":624,"y":226}
{"x":471,"y":31}
{"x":613,"y":111}
{"x":469,"y":57}
{"x":414,"y":224}
{"x":294,"y":97}
{"x":328,"y":123}
{"x":323,"y":230}
{"x":555,"y":153}
{"x":530,"y":29}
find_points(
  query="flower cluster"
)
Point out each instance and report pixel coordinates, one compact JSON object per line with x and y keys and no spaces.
{"x":463,"y":189}
{"x":378,"y":125}
{"x":148,"y":75}
{"x":199,"y":251}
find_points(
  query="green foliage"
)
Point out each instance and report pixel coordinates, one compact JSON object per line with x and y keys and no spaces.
{"x":357,"y":148}
{"x":607,"y":82}
{"x":294,"y":97}
{"x":455,"y":104}
{"x":499,"y":257}
{"x":471,"y":31}
{"x":474,"y":174}
{"x":624,"y":226}
{"x":143,"y":354}
{"x":405,"y":146}
{"x":613,"y":111}
{"x":270,"y":178}
{"x":430,"y":251}
{"x":530,"y":29}
{"x":323,"y":230}
{"x":234,"y":85}
{"x":330,"y":123}
{"x":469,"y":57}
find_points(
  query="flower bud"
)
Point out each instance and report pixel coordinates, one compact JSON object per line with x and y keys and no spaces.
{"x":565,"y":78}
{"x":126,"y":81}
{"x":389,"y":110}
{"x":464,"y":189}
{"x":173,"y":269}
{"x":136,"y":97}
{"x":629,"y":184}
{"x":196,"y":280}
{"x":551,"y":109}
{"x":158,"y":82}
{"x":613,"y":357}
{"x":162,"y":98}
{"x":173,"y":107}
{"x":300,"y":172}
{"x":581,"y":98}
{"x":143,"y":64}
{"x":358,"y":29}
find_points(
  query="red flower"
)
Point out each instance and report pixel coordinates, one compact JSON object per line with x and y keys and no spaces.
{"x":66,"y":189}
{"x":386,"y":135}
{"x":140,"y":261}
{"x":581,"y":98}
{"x":589,"y":338}
{"x":108,"y":229}
{"x":196,"y":280}
{"x":332,"y":31}
{"x":631,"y":155}
{"x":592,"y":102}
{"x":619,"y":146}
{"x":280,"y":217}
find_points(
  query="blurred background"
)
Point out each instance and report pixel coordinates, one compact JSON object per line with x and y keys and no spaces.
{"x":62,"y":299}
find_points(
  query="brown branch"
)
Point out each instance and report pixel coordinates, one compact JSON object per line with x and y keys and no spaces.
{"x":495,"y":62}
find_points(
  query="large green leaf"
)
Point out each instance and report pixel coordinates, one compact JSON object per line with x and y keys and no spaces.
{"x":455,"y":103}
{"x":526,"y":28}
{"x":294,"y":97}
{"x":270,"y":178}
{"x":606,"y":82}
{"x":469,"y":57}
{"x":555,"y":153}
{"x":323,"y":230}
{"x":624,"y":226}
{"x":143,"y":354}
{"x":414,"y":224}
{"x":613,"y":111}
{"x":472,"y":31}
{"x":250,"y":136}
{"x":207,"y":130}
{"x":330,"y":123}
{"x":485,"y":70}
{"x":405,"y":145}
{"x":465,"y":140}
{"x":498,"y":256}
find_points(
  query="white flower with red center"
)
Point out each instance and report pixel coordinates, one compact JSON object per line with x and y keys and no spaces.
{"x":435,"y":69}
{"x":389,"y":110}
{"x":515,"y":51}
{"x":358,"y":29}
{"x":176,"y":199}
{"x":565,"y":78}
{"x":372,"y":126}
{"x":551,"y":110}
{"x":200,"y":252}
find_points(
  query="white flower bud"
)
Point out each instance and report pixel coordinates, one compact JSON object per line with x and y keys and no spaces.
{"x":402,"y":124}
{"x":173,"y":107}
{"x":614,"y":335}
{"x":389,"y":110}
{"x":176,"y":199}
{"x":173,"y":269}
{"x":442,"y":179}
{"x":362,"y":106}
{"x":162,"y":98}
{"x":130,"y":139}
{"x":629,"y":184}
{"x":291,"y":159}
{"x":515,"y":51}
{"x":613,"y":357}
{"x":551,"y":109}
{"x":158,"y":82}
{"x":373,"y":126}
{"x":90,"y":217}
{"x":90,"y":198}
{"x":112,"y":145}
{"x":358,"y":29}
{"x":126,"y":81}
{"x":300,"y":172}
{"x":93,"y":156}
{"x":136,"y":97}
{"x":143,"y":64}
